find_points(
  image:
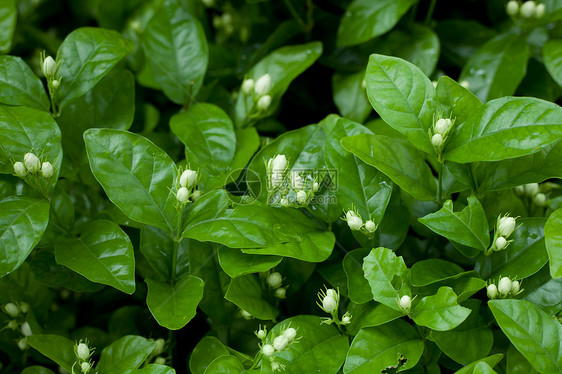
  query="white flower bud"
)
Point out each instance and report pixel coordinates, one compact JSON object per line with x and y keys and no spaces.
{"x":370,"y":226}
{"x":13,"y":324}
{"x":83,"y":351}
{"x":280,"y":343}
{"x":49,"y":67}
{"x":315,"y":186}
{"x":278,"y":163}
{"x":329,"y":304}
{"x":31,"y":162}
{"x":531,"y":189}
{"x":280,"y":293}
{"x":437,"y":140}
{"x":284,"y":202}
{"x":297,"y":181}
{"x":264,"y":102}
{"x":188,"y":178}
{"x":492,"y":291}
{"x":290,"y":334}
{"x":274,"y":280}
{"x":332,"y":293}
{"x":512,"y":8}
{"x":246,"y":315}
{"x":247,"y":86}
{"x":12,"y":310}
{"x":405,"y":303}
{"x":355,"y":223}
{"x":182,"y":195}
{"x":363,"y":84}
{"x":25,"y":329}
{"x":85,"y":367}
{"x":158,"y":346}
{"x":528,"y":9}
{"x":519,"y":190}
{"x":443,"y":125}
{"x":506,"y":226}
{"x":504,"y":286}
{"x":515,"y":286}
{"x":434,"y":83}
{"x":22,"y":344}
{"x":539,"y":199}
{"x":160,"y":360}
{"x":267,"y":350}
{"x":346,"y":320}
{"x":501,"y":242}
{"x":19,"y":169}
{"x":196,"y":195}
{"x":540,"y":10}
{"x":55,"y":83}
{"x":465,"y":84}
{"x":261,"y":334}
{"x":263,"y":85}
{"x":24,"y":307}
{"x":47,"y":170}
{"x":301,"y":197}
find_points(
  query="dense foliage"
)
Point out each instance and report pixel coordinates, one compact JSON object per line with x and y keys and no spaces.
{"x":166,"y":205}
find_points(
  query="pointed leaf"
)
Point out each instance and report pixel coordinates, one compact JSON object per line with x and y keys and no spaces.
{"x":440,"y":311}
{"x":20,"y":86}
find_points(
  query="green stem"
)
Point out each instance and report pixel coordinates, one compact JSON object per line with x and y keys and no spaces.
{"x":429,"y":14}
{"x":256,"y":360}
{"x":295,"y":14}
{"x":440,"y":183}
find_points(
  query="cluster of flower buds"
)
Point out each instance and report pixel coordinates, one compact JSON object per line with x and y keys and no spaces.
{"x":186,"y":183}
{"x":505,"y":226}
{"x":278,"y":344}
{"x":280,"y":185}
{"x":259,"y":90}
{"x":245,"y":314}
{"x":275,"y":281}
{"x":159,"y":347}
{"x":224,"y":22}
{"x":532,"y":192}
{"x":355,"y":223}
{"x":83,"y":354}
{"x":50,"y":70}
{"x":438,"y":133}
{"x":329,"y":302}
{"x":32,"y":165}
{"x":18,"y":310}
{"x":527,"y":10}
{"x":505,"y":288}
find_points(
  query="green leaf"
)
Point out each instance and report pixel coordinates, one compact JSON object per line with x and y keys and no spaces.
{"x":358,"y":286}
{"x":386,"y":275}
{"x":544,"y":291}
{"x":25,"y":130}
{"x":158,"y":248}
{"x":517,"y":364}
{"x":283,"y":65}
{"x":552,"y":57}
{"x":86,"y":55}
{"x":37,"y":370}
{"x":456,"y":100}
{"x":553,"y":241}
{"x":320,"y":347}
{"x":225,"y":365}
{"x":523,"y":258}
{"x":137,"y":176}
{"x":152,"y":369}
{"x":506,"y":128}
{"x":19,"y":85}
{"x":236,"y":263}
{"x":103,"y":254}
{"x":173,"y":306}
{"x":440,"y":311}
{"x":350,"y":96}
{"x":426,"y":272}
{"x":533,"y":332}
{"x":246,"y":293}
{"x":364,"y":20}
{"x":468,"y":227}
{"x":471,"y":368}
{"x":498,"y":67}
{"x":22,"y":223}
{"x":375,"y":348}
{"x":8,"y":19}
{"x":57,"y":348}
{"x":208,"y":349}
{"x":403,"y":96}
{"x":396,"y":158}
{"x":370,"y":314}
{"x":362,"y":187}
{"x":129,"y":352}
{"x":177,"y":51}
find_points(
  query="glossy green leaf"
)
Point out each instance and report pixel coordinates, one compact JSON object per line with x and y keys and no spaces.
{"x":364,"y":20}
{"x":37,"y":370}
{"x":236,"y":263}
{"x":158,"y":246}
{"x":370,"y":314}
{"x":375,"y":348}
{"x":86,"y":55}
{"x":137,"y":176}
{"x":246,"y":292}
{"x":8,"y":19}
{"x":498,"y":67}
{"x":225,"y":365}
{"x":358,"y":286}
{"x":439,"y":312}
{"x":552,"y":57}
{"x":403,"y":96}
{"x":173,"y":306}
{"x":396,"y":158}
{"x":320,"y":348}
{"x":25,"y":130}
{"x":517,"y":363}
{"x":208,"y":349}
{"x":533,"y":332}
{"x":434,"y":270}
{"x":544,"y":291}
{"x":457,"y":101}
{"x":57,"y":348}
{"x":386,"y":274}
{"x":524,"y":257}
{"x":103,"y":254}
{"x":553,"y":242}
{"x":490,"y":360}
{"x":22,"y":223}
{"x":177,"y":51}
{"x":19,"y":85}
{"x":350,"y":96}
{"x":152,"y":369}
{"x":506,"y":128}
{"x":129,"y":352}
{"x":468,"y":227}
